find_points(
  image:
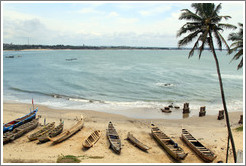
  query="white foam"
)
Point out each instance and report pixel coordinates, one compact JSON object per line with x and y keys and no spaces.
{"x":229,"y":76}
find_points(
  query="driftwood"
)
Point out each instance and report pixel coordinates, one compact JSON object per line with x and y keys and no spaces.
{"x":221,"y":115}
{"x":186,"y":108}
{"x":202,"y":111}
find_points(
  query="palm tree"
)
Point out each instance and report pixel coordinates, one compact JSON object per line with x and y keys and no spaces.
{"x":237,"y":45}
{"x":204,"y":27}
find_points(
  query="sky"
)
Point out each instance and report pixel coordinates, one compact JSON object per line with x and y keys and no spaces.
{"x":92,"y":23}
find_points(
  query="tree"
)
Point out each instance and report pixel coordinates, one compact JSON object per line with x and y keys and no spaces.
{"x":204,"y":25}
{"x":237,"y":45}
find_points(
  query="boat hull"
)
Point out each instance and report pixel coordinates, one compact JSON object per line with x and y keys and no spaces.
{"x":92,"y":139}
{"x":136,"y":142}
{"x":19,"y":131}
{"x":42,"y":131}
{"x":204,"y":153}
{"x":168,"y":144}
{"x":56,"y":131}
{"x":114,"y":139}
{"x":66,"y":134}
{"x":17,"y":122}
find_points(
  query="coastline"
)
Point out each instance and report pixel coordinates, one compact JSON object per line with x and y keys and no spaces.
{"x":210,"y":131}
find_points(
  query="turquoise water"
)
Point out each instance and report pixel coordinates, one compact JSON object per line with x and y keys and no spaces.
{"x":135,"y":83}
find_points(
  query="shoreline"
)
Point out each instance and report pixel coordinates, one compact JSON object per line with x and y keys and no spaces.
{"x":143,"y":111}
{"x":213,"y":136}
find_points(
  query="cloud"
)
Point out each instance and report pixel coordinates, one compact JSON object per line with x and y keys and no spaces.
{"x":113,"y":14}
{"x":154,"y":11}
{"x":104,"y":25}
{"x":90,"y":11}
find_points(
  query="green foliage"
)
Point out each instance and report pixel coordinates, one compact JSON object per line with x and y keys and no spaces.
{"x":237,"y":45}
{"x":240,"y":128}
{"x":68,"y":159}
{"x":74,"y":159}
{"x":203,"y":26}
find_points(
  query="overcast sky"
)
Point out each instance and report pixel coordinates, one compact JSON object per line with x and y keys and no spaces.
{"x":102,"y":23}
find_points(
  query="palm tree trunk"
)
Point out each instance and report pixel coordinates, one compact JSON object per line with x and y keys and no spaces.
{"x":223,"y":98}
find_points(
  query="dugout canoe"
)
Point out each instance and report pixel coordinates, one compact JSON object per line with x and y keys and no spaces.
{"x":168,"y":144}
{"x":113,"y":137}
{"x":68,"y":133}
{"x":42,"y":131}
{"x":92,"y":139}
{"x":203,"y":152}
{"x":19,"y":121}
{"x":136,"y":142}
{"x":52,"y":133}
{"x":19,"y":131}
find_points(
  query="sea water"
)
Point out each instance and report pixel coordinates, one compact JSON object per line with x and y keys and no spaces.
{"x":134,"y":83}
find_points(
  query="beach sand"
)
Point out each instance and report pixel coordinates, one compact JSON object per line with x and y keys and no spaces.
{"x":208,"y":130}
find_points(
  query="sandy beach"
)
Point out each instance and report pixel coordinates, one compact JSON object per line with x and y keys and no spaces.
{"x":208,"y":130}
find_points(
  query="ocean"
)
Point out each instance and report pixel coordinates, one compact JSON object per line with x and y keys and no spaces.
{"x":134,"y":83}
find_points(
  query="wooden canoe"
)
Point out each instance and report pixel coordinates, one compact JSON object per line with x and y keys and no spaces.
{"x":68,"y":133}
{"x":92,"y":139}
{"x":113,"y":137}
{"x":203,"y":152}
{"x":136,"y":142}
{"x":19,"y":131}
{"x":19,"y":121}
{"x":168,"y":144}
{"x":42,"y":131}
{"x":56,"y":131}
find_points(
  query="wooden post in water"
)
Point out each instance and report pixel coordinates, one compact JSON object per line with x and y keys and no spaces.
{"x":186,"y":108}
{"x":202,"y":111}
{"x":241,"y":120}
{"x":221,"y":115}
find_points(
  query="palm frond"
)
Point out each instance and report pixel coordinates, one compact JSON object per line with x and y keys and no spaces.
{"x":223,"y":40}
{"x":188,"y":15}
{"x":238,"y":55}
{"x":187,"y":28}
{"x":188,"y":38}
{"x":217,"y":9}
{"x":217,"y":37}
{"x":240,"y":65}
{"x":226,"y":26}
{"x":203,"y":39}
{"x":191,"y":53}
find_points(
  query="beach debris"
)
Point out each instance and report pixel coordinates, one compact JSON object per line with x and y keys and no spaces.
{"x":202,"y":111}
{"x":241,"y":120}
{"x":221,"y":115}
{"x":186,"y":108}
{"x":166,"y":109}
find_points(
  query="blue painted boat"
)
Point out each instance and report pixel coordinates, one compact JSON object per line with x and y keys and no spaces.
{"x":17,"y":122}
